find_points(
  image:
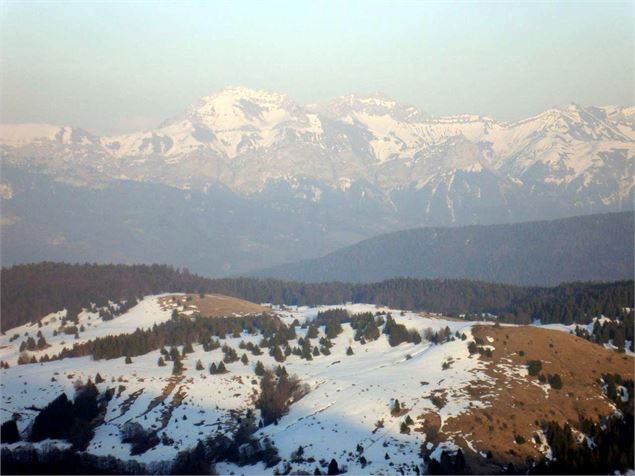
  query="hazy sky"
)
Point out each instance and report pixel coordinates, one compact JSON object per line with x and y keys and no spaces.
{"x":118,"y":66}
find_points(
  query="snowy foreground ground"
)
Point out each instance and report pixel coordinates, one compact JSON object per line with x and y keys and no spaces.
{"x":348,"y":393}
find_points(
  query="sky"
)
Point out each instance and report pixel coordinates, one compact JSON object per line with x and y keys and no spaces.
{"x":112,"y":67}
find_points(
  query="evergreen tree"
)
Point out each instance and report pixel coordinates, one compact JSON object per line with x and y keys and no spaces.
{"x":128,"y":359}
{"x":187,"y":348}
{"x":277,"y":354}
{"x":349,"y":351}
{"x":41,"y":342}
{"x":306,"y":350}
{"x":259,"y":369}
{"x":177,"y":367}
{"x":9,"y":432}
{"x":212,"y":369}
{"x":312,"y":332}
{"x":161,"y":362}
{"x":555,"y":381}
{"x":333,"y":467}
{"x":221,"y":368}
{"x":199,"y":365}
{"x":244,"y":359}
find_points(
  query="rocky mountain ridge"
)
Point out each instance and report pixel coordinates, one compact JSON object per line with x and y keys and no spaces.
{"x":247,"y":140}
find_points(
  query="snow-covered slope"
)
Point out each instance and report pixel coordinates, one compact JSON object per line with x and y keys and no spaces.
{"x":348,"y":394}
{"x":349,"y":405}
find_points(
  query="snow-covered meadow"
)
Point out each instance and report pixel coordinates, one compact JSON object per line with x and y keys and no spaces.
{"x":349,"y":394}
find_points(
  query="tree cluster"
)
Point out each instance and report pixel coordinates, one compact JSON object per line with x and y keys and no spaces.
{"x":277,"y":393}
{"x":72,"y":421}
{"x":398,"y":334}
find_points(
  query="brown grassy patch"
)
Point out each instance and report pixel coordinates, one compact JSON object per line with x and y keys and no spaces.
{"x":213,"y":305}
{"x":517,"y":404}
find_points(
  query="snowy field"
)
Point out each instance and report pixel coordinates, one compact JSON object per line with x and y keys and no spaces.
{"x":348,"y":394}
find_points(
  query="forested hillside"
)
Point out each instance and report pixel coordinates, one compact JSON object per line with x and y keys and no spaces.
{"x":544,"y":253}
{"x":28,"y":292}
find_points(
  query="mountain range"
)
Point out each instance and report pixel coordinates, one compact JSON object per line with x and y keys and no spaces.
{"x":319,"y":176}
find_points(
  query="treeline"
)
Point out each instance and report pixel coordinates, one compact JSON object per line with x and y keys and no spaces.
{"x":29,"y":292}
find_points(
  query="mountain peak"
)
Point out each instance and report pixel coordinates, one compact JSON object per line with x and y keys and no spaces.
{"x":239,"y":107}
{"x":371,"y":104}
{"x":242,"y":92}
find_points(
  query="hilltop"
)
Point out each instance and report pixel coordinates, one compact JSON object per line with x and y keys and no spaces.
{"x":593,"y":247}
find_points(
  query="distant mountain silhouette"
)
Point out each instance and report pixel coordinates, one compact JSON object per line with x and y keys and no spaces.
{"x":593,"y":247}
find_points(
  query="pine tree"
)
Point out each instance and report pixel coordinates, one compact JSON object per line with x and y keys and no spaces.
{"x":212,"y":369}
{"x":41,"y":342}
{"x":333,"y":467}
{"x":161,"y":362}
{"x":177,"y":368}
{"x":316,"y":351}
{"x":555,"y":381}
{"x":349,"y":351}
{"x":396,"y":408}
{"x":244,"y":359}
{"x":128,"y":359}
{"x":199,"y":365}
{"x":259,"y":369}
{"x":277,"y":354}
{"x":221,"y":368}
{"x":312,"y":332}
{"x":306,"y":350}
{"x":99,"y":378}
{"x":187,"y":349}
{"x":30,"y":343}
{"x":404,"y":428}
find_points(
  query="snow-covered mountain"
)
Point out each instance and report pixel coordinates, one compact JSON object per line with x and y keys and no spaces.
{"x":381,"y":165}
{"x":244,"y":138}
